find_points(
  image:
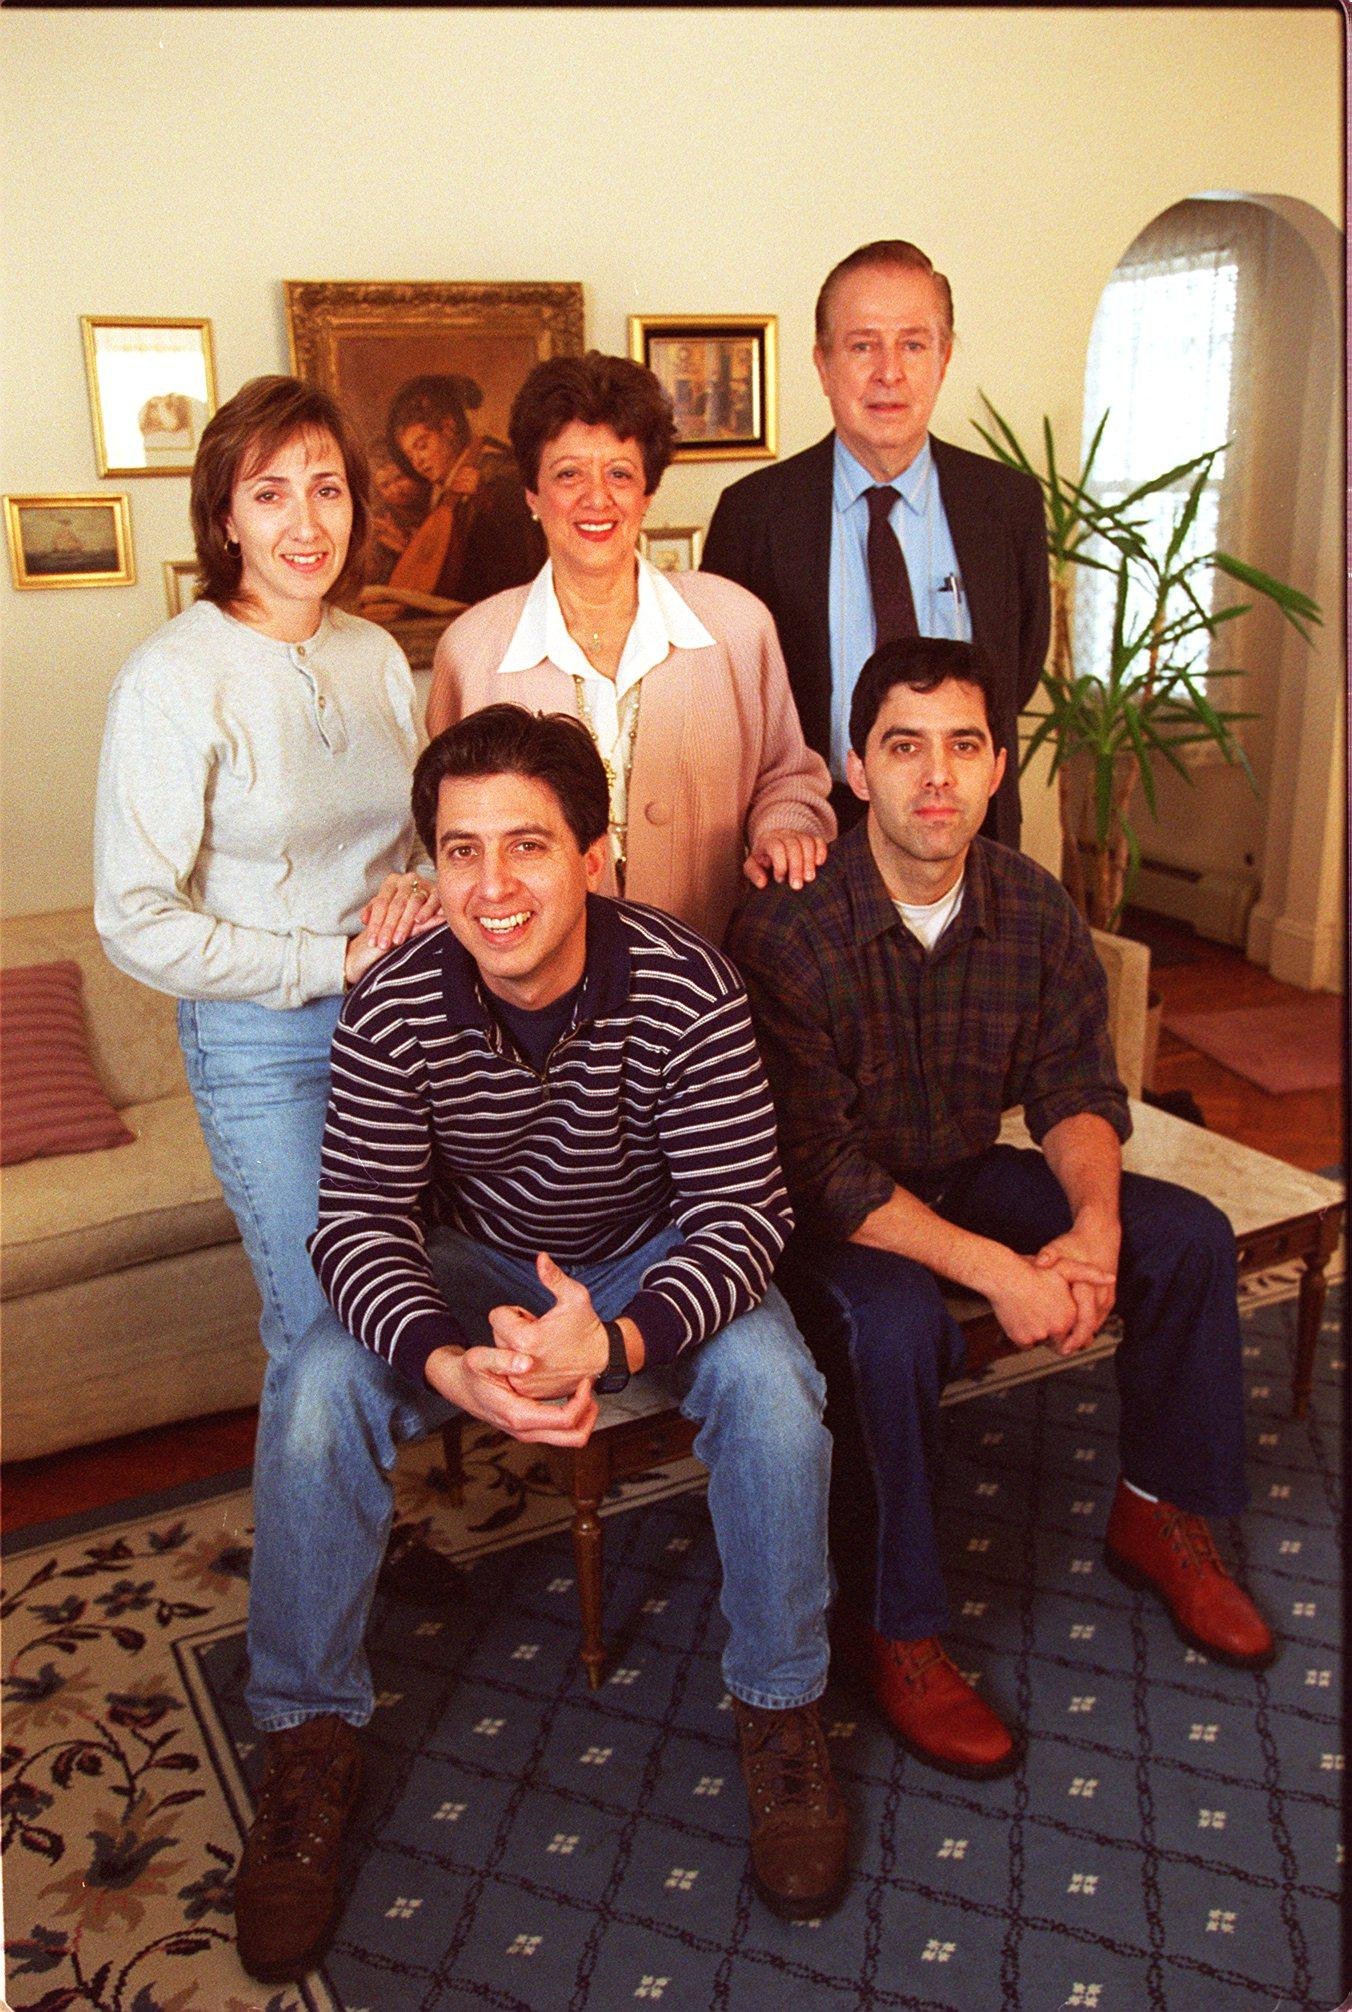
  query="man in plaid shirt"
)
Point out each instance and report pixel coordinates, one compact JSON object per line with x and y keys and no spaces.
{"x":925,"y":982}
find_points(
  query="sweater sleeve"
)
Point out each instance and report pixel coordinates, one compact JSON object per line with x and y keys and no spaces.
{"x":793,"y":787}
{"x":717,"y":1130}
{"x":369,"y":1250}
{"x":149,"y":821}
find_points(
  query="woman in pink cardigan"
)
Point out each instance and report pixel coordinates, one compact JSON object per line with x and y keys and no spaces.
{"x":679,"y":679}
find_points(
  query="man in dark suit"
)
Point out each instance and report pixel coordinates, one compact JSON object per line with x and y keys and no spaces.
{"x":810,"y":539}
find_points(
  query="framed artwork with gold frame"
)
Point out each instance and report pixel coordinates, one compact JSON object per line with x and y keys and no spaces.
{"x":672,"y":548}
{"x":449,"y":518}
{"x":152,"y":389}
{"x":180,"y":584}
{"x":69,"y":541}
{"x":721,"y":374}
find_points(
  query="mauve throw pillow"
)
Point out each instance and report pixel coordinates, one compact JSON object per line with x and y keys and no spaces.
{"x":51,"y":1101}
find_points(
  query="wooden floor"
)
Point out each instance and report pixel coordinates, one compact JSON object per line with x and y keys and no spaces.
{"x":1304,"y":1128}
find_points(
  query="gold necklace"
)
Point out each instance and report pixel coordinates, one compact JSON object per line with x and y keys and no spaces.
{"x":585,"y":631}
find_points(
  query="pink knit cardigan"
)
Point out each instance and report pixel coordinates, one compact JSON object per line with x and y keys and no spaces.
{"x":719,"y":757}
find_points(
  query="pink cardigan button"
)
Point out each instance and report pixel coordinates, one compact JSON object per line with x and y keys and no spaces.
{"x":658,"y":812}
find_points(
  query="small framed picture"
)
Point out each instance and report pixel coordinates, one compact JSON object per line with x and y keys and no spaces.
{"x":672,"y":548}
{"x":720,"y":373}
{"x":69,"y":541}
{"x":152,"y":389}
{"x":180,"y":584}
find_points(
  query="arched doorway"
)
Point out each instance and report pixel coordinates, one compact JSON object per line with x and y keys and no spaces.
{"x":1220,"y":320}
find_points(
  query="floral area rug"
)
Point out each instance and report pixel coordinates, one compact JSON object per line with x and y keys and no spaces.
{"x":1170,"y":1844}
{"x":124,"y":1802}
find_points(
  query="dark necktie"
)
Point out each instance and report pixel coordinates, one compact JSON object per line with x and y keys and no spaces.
{"x":893,"y":605}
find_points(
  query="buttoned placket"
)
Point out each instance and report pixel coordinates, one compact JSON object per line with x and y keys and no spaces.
{"x":327,"y":714}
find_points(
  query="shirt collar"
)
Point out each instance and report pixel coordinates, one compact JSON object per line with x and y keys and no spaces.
{"x":662,"y":622}
{"x":873,"y":908}
{"x":852,"y":479}
{"x":605,"y":975}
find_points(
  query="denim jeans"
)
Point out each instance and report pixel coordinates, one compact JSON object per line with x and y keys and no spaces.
{"x":260,"y":1081}
{"x":323,"y":1500}
{"x":887,"y":1343}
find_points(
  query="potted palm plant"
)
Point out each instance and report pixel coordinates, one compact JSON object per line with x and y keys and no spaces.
{"x":1145,"y":699}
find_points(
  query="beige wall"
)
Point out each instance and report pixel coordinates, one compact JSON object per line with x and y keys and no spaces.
{"x":186,"y":163}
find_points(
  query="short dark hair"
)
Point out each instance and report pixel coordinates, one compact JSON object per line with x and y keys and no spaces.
{"x":922,"y":663}
{"x":265,"y":414}
{"x":595,"y":390}
{"x":899,"y":253}
{"x":431,"y":401}
{"x":506,"y":739}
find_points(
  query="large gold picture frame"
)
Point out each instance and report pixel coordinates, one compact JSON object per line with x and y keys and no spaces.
{"x":721,"y":374}
{"x":152,"y":389}
{"x":370,"y":343}
{"x":69,"y":541}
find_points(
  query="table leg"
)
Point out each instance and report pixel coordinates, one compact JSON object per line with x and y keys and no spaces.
{"x":588,"y":1491}
{"x":1310,"y":1311}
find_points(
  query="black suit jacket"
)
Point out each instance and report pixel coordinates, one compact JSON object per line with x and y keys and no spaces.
{"x":771,"y":532}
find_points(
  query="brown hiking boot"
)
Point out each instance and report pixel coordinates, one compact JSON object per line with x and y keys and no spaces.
{"x":799,"y":1829}
{"x":286,"y":1904}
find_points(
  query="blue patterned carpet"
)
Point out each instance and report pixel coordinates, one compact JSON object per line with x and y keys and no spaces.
{"x":1171,"y":1841}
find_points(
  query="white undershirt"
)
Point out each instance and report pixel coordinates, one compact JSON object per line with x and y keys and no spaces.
{"x":929,"y":919}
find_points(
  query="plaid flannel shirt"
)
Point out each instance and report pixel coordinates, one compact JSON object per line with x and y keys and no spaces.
{"x":892,"y":1065}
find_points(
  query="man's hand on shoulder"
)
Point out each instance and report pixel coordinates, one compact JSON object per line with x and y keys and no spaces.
{"x":479,"y":1381}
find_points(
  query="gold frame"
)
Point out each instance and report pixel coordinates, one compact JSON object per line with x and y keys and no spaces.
{"x":669,"y":533}
{"x":324,"y":317}
{"x":89,"y":325}
{"x":23,"y":580}
{"x":762,"y":444}
{"x":178,"y":576}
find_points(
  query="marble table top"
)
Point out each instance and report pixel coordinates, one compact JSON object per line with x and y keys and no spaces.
{"x":1253,"y":1189}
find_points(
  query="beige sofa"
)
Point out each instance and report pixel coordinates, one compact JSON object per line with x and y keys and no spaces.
{"x":126,"y":1297}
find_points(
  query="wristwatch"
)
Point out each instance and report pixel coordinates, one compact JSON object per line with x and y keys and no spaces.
{"x":617,"y":1368}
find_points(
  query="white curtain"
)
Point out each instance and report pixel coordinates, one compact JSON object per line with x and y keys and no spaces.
{"x":1169,"y":359}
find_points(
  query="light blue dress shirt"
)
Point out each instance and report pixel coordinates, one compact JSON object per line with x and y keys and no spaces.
{"x":919,"y":521}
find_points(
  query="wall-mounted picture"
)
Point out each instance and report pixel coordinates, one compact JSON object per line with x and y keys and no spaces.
{"x":69,"y":541}
{"x":720,"y":373}
{"x":152,"y":388}
{"x":672,"y":548}
{"x":427,"y":372}
{"x":180,"y":584}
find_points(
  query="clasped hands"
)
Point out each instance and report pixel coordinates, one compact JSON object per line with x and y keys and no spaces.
{"x":1063,"y":1293}
{"x":535,"y":1358}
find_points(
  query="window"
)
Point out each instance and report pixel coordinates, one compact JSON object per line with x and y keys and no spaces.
{"x":1168,"y":360}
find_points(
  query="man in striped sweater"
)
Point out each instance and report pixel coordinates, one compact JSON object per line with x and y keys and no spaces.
{"x":574,"y":1086}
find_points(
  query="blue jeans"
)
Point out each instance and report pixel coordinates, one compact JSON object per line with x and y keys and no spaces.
{"x":260,"y":1081}
{"x":881,"y":1332}
{"x":323,"y":1500}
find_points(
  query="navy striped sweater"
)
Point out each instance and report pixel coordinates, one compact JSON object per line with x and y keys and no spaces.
{"x":653,"y":1109}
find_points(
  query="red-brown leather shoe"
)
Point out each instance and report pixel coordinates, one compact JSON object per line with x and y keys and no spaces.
{"x":933,"y":1709}
{"x":799,"y":1827}
{"x":1154,"y":1546}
